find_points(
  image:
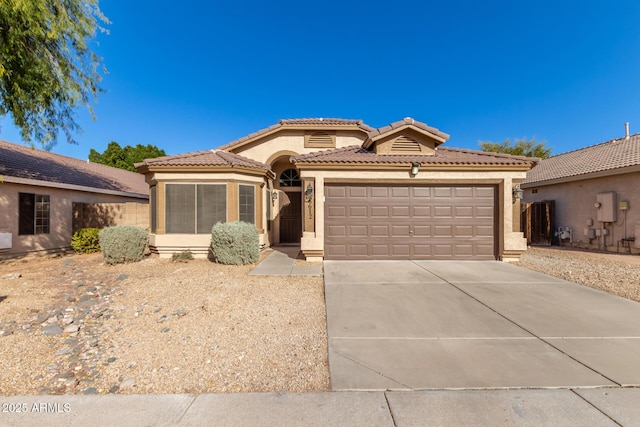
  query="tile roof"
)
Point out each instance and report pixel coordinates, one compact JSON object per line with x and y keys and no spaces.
{"x":443,"y":156}
{"x":606,"y":156}
{"x":21,"y":161}
{"x":320,"y":121}
{"x":205,"y":158}
{"x":406,"y":121}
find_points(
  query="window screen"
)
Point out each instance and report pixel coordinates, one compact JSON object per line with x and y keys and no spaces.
{"x":180,"y":208}
{"x":247,"y":205}
{"x":212,"y":206}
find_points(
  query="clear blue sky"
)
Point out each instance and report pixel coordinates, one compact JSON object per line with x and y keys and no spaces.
{"x":188,"y":76}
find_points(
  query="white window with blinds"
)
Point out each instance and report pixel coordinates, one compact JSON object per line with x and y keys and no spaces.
{"x":194,"y":208}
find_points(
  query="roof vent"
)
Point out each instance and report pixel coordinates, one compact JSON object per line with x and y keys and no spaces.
{"x":626,"y":130}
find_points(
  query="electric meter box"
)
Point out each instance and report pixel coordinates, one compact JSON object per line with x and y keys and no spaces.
{"x":608,"y":207}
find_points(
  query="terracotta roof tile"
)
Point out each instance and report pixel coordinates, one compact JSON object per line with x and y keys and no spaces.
{"x":610,"y":155}
{"x":21,"y":161}
{"x":444,"y":156}
{"x":406,"y":121}
{"x":205,"y":158}
{"x":329,"y":122}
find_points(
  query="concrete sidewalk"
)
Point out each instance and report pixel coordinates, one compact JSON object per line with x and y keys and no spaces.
{"x":282,"y":262}
{"x":523,"y":407}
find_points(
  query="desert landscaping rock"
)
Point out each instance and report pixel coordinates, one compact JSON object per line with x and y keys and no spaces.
{"x":52,"y":329}
{"x":226,"y":331}
{"x":11,"y":276}
{"x":127,"y":383}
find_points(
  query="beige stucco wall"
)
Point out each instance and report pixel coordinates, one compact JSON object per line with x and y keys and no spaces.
{"x":61,"y":216}
{"x":291,"y":143}
{"x":510,"y":243}
{"x":574,"y":206}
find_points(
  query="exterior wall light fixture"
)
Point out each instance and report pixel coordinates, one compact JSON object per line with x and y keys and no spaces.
{"x":415,"y":168}
{"x":517,"y":194}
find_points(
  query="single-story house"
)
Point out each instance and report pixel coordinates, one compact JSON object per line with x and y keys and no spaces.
{"x":44,"y":197}
{"x":595,"y":195}
{"x":342,"y":190}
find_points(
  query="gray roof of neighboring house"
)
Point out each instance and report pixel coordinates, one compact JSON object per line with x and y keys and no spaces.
{"x":21,"y":161}
{"x":607,"y":156}
{"x":205,"y":158}
{"x":443,"y":156}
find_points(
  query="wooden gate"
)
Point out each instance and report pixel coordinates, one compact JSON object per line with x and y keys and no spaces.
{"x":538,"y":222}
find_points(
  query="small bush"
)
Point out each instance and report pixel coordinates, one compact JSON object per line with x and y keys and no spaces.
{"x":184,"y":256}
{"x":123,"y":243}
{"x":235,"y":243}
{"x":86,"y":240}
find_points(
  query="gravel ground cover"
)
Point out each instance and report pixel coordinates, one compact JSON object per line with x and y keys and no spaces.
{"x":612,"y":273}
{"x":73,"y":324}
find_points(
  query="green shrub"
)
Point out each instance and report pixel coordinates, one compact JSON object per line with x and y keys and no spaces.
{"x":123,"y":243}
{"x":86,"y":240}
{"x":184,"y":256}
{"x":235,"y":243}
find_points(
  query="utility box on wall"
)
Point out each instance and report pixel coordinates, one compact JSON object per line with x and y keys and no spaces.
{"x":607,"y":210}
{"x":5,"y":240}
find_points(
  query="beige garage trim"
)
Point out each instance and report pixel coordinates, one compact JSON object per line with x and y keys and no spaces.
{"x":410,"y":222}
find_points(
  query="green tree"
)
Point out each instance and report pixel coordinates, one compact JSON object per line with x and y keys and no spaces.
{"x":124,"y":157}
{"x":47,"y":68}
{"x":520,"y":147}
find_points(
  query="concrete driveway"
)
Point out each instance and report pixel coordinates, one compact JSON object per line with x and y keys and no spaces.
{"x":410,"y":325}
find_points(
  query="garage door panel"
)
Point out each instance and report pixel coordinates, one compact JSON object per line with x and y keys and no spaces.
{"x":422,"y":211}
{"x":380,"y":212}
{"x":358,"y":231}
{"x":380,"y":230}
{"x":442,"y":192}
{"x":339,"y":231}
{"x":358,"y":212}
{"x":485,"y":193}
{"x":403,"y":222}
{"x":400,"y":211}
{"x":463,"y":192}
{"x":336,"y":212}
{"x":357,"y":192}
{"x":400,"y":192}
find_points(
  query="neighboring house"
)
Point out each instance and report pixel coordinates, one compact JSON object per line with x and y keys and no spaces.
{"x":45,"y":196}
{"x":595,"y":194}
{"x":342,"y":190}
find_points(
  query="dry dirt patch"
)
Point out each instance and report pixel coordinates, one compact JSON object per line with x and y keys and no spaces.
{"x":75,"y":325}
{"x":616,"y":274}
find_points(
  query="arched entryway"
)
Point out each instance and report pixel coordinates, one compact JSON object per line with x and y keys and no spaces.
{"x":288,"y":223}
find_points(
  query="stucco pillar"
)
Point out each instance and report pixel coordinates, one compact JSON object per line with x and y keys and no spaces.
{"x":514,"y":243}
{"x":312,"y":242}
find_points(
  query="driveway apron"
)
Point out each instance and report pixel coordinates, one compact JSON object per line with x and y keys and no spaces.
{"x":411,"y":325}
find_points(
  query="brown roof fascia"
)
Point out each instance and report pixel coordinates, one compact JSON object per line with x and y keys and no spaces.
{"x":284,"y":125}
{"x":207,"y":168}
{"x":399,"y":126}
{"x":424,"y":167}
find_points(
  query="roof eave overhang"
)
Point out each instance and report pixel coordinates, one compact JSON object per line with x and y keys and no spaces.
{"x":208,"y":169}
{"x":440,"y":138}
{"x":406,"y":165}
{"x":304,"y":127}
{"x":74,"y":187}
{"x":573,"y":178}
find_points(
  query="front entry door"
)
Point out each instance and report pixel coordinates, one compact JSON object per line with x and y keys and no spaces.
{"x":291,"y":219}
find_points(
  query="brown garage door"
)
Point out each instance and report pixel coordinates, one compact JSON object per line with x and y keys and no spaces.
{"x":402,"y":222}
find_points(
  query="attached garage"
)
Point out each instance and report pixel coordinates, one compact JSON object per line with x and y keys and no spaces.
{"x":410,"y":222}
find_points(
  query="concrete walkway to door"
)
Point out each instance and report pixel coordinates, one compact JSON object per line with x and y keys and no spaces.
{"x":282,"y":262}
{"x":411,"y":325}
